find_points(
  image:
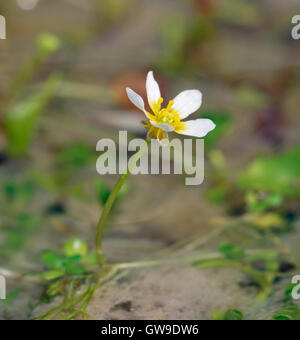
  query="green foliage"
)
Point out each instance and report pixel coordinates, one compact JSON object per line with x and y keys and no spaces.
{"x":291,"y":313}
{"x":75,"y":247}
{"x":10,"y":298}
{"x":229,"y":315}
{"x":233,"y":315}
{"x":14,"y":241}
{"x":76,"y":260}
{"x":223,"y":124}
{"x":28,"y":222}
{"x":103,"y":191}
{"x":21,"y":120}
{"x":76,"y":155}
{"x":261,"y":204}
{"x":267,"y":221}
{"x":53,"y":274}
{"x":262,"y":267}
{"x":217,"y":194}
{"x":263,"y":256}
{"x":15,"y":190}
{"x":277,"y":174}
{"x":231,"y":251}
{"x":47,"y":43}
{"x":288,"y":291}
{"x":199,"y":29}
{"x":53,"y":260}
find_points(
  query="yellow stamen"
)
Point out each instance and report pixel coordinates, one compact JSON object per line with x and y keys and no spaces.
{"x":167,"y":115}
{"x":171,"y":103}
{"x":155,"y":107}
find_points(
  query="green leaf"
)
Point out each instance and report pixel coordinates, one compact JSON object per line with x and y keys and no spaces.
{"x":288,"y":291}
{"x":55,"y":288}
{"x":102,"y":191}
{"x":213,"y":263}
{"x":10,"y":297}
{"x":256,"y":204}
{"x":77,"y":155}
{"x":20,"y":122}
{"x":74,"y":269}
{"x":217,"y":194}
{"x":288,"y":313}
{"x":53,"y":260}
{"x":29,"y":222}
{"x":14,"y":239}
{"x":231,"y":251}
{"x":75,"y":247}
{"x":233,"y":315}
{"x":10,"y":189}
{"x":265,"y":256}
{"x":91,"y":258}
{"x":218,"y":316}
{"x":47,"y":43}
{"x":277,"y":174}
{"x":53,"y":274}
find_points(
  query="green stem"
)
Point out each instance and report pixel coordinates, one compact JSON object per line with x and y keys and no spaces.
{"x":111,"y":200}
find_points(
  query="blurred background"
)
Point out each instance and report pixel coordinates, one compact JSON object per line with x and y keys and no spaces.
{"x":64,"y":68}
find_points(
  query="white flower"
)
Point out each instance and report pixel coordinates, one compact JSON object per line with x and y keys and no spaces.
{"x":164,"y":120}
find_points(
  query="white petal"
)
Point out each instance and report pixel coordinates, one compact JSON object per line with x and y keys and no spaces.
{"x":136,"y":99}
{"x":153,"y":91}
{"x":187,"y":102}
{"x":198,"y":127}
{"x":166,"y":127}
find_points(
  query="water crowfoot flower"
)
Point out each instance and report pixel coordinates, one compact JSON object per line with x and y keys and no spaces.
{"x":161,"y":122}
{"x":170,"y":119}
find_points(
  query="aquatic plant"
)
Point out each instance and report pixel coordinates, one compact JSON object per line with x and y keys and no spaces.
{"x":161,"y":122}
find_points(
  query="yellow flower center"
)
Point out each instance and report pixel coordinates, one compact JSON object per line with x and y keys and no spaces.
{"x":167,"y":115}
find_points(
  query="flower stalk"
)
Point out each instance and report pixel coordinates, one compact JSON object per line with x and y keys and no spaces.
{"x":111,"y":200}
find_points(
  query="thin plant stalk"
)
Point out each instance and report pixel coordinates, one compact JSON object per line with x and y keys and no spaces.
{"x":111,"y":200}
